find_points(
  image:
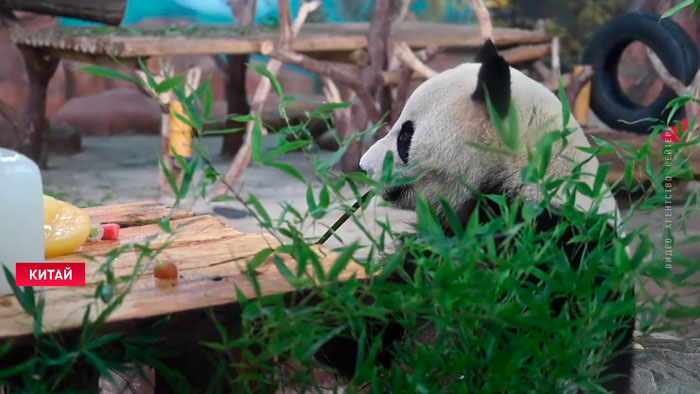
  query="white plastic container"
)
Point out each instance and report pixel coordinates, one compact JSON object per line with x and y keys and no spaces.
{"x":21,"y":213}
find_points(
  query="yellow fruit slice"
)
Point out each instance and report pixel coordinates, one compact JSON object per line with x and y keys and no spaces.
{"x":66,"y":227}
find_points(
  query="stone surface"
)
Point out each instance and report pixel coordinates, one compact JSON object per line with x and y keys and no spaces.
{"x":111,"y":112}
{"x":64,"y":139}
{"x":667,"y":365}
{"x":128,"y":381}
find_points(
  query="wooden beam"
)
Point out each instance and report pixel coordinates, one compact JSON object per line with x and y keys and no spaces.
{"x":110,"y":12}
{"x":314,"y":37}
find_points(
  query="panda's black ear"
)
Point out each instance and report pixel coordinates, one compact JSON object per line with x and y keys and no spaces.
{"x":494,"y":76}
{"x":487,"y":51}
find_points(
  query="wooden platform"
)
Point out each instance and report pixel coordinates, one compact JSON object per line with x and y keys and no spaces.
{"x":210,"y":257}
{"x":199,"y":40}
{"x":617,"y":166}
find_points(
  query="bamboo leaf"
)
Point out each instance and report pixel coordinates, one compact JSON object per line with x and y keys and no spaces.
{"x":288,"y":168}
{"x":109,"y":73}
{"x":677,"y":8}
{"x":168,"y":84}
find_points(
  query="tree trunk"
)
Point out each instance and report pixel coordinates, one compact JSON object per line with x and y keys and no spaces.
{"x":110,"y":12}
{"x":378,"y":37}
{"x":236,"y":101}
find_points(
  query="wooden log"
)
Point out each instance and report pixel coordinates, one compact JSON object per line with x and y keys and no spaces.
{"x":519,"y":54}
{"x":110,"y":12}
{"x":526,"y":53}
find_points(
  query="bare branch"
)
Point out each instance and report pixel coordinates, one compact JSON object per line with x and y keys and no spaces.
{"x":285,"y":14}
{"x":335,"y":72}
{"x":669,"y":80}
{"x":556,"y":60}
{"x":553,"y":84}
{"x":542,"y":69}
{"x":691,"y":107}
{"x":406,"y":55}
{"x":332,"y":93}
{"x":242,"y":159}
{"x":403,"y":11}
{"x":482,"y":13}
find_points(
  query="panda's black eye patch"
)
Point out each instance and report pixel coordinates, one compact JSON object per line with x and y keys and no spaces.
{"x":403,"y":143}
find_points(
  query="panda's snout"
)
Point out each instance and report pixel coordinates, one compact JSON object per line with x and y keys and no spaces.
{"x":363,"y":165}
{"x":371,"y":162}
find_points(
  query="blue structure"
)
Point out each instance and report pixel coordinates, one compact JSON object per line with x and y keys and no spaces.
{"x":203,"y":11}
{"x":219,"y":12}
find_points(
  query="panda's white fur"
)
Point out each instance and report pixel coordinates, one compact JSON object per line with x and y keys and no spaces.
{"x":446,"y":120}
{"x":448,"y":117}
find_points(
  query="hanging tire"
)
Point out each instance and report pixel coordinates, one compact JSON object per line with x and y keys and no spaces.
{"x":690,"y":51}
{"x":668,"y":40}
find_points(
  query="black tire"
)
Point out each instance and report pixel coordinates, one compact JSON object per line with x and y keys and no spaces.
{"x":668,"y":40}
{"x":690,"y":51}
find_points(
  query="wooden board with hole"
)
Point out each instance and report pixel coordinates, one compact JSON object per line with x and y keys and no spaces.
{"x":211,"y":259}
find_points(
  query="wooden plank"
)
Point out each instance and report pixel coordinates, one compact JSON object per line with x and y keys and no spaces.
{"x":314,"y":37}
{"x":98,"y":59}
{"x":211,"y":260}
{"x":617,"y":166}
{"x":186,"y":254}
{"x":134,"y":213}
{"x":193,"y":229}
{"x":110,"y":12}
{"x":201,"y":288}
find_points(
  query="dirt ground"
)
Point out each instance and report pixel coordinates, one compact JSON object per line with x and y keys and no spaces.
{"x":123,"y":169}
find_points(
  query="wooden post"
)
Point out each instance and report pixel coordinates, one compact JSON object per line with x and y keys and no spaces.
{"x":236,"y":101}
{"x":40,"y":68}
{"x":235,"y":69}
{"x":110,"y":12}
{"x":378,"y":39}
{"x":350,"y":161}
{"x":582,"y":98}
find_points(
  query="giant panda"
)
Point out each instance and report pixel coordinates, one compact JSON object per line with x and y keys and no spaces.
{"x":433,"y":136}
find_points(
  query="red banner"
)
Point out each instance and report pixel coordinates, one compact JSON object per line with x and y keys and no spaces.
{"x":50,"y":274}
